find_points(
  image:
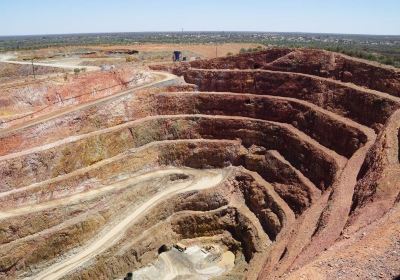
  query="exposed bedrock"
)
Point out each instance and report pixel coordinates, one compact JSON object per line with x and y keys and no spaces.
{"x":176,"y":156}
{"x":347,"y":100}
{"x":215,"y":212}
{"x":263,"y":203}
{"x":316,"y":162}
{"x":321,"y":125}
{"x":97,"y":116}
{"x":242,"y":223}
{"x":82,"y":224}
{"x":187,"y":153}
{"x":378,"y":183}
{"x":314,"y":62}
{"x":243,"y":61}
{"x":218,"y":153}
{"x":127,"y":256}
{"x":297,"y":190}
{"x":27,"y":102}
{"x":314,"y":82}
{"x":318,"y":123}
{"x":192,"y":225}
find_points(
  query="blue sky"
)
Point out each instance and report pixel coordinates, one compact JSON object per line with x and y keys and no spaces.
{"x":21,"y":17}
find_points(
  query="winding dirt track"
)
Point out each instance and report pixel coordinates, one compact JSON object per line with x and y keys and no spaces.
{"x":171,"y":268}
{"x":79,"y":197}
{"x":56,"y":65}
{"x":199,"y":180}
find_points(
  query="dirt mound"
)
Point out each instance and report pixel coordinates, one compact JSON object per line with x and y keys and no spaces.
{"x":8,"y":71}
{"x":285,"y":158}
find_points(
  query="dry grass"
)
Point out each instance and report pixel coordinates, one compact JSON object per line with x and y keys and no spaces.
{"x":203,"y":50}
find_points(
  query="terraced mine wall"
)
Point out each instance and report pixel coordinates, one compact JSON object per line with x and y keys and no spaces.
{"x":351,"y":102}
{"x":26,"y":101}
{"x":377,"y":180}
{"x":313,"y":62}
{"x":272,"y":166}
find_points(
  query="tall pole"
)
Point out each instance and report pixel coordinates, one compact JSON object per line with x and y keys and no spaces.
{"x":33,"y":69}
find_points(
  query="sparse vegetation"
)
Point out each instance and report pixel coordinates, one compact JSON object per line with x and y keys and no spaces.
{"x":131,"y":59}
{"x":250,"y":50}
{"x":382,"y":52}
{"x":383,"y":49}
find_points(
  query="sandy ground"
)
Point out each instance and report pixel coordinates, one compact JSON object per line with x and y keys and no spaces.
{"x":69,"y":66}
{"x":194,"y":263}
{"x":6,"y":56}
{"x":204,"y":50}
{"x":199,"y":179}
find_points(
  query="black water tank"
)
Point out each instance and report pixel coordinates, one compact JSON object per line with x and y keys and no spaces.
{"x":177,"y":55}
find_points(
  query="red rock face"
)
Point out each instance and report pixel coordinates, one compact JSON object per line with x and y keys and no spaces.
{"x":305,"y":144}
{"x":352,"y":102}
{"x":317,"y":77}
{"x":29,"y":101}
{"x":314,"y":62}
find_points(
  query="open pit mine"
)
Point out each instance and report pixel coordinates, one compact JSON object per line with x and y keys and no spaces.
{"x":278,"y":164}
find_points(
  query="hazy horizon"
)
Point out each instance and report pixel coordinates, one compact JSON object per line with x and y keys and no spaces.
{"x":46,"y":17}
{"x":203,"y":31}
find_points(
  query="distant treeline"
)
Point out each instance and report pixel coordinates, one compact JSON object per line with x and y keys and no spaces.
{"x":389,"y":57}
{"x":383,"y":49}
{"x":385,"y":54}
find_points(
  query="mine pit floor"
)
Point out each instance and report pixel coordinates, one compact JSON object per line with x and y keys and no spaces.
{"x":194,"y":263}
